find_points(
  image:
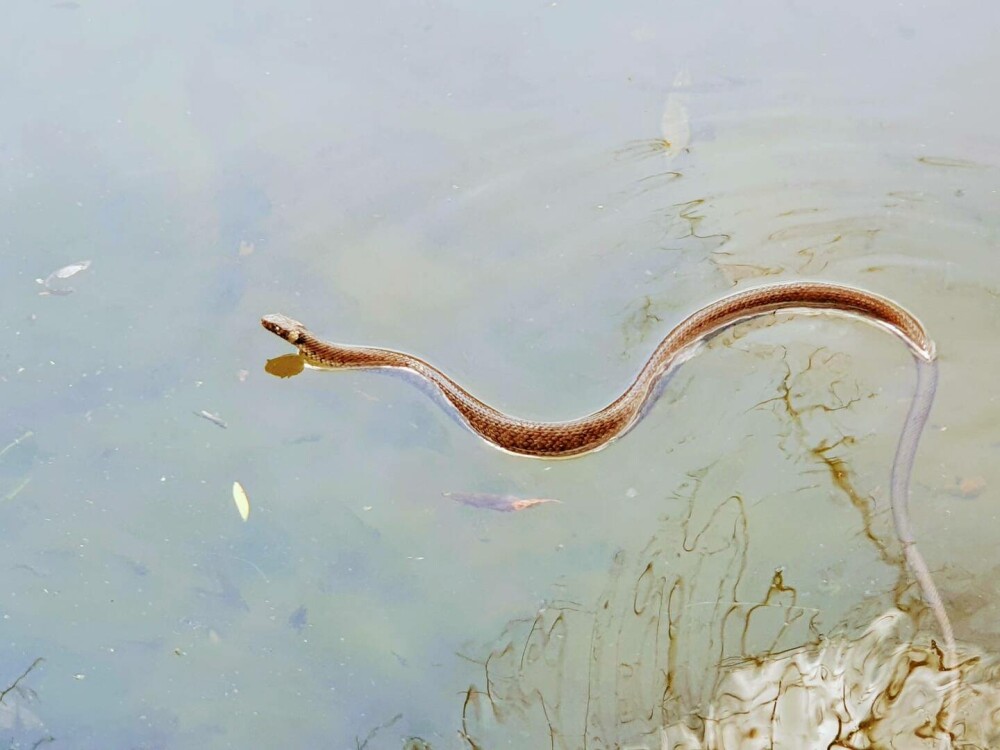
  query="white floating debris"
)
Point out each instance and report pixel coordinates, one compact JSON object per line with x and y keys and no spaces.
{"x":675,"y":126}
{"x":62,"y":273}
{"x":213,"y":418}
{"x":241,"y":500}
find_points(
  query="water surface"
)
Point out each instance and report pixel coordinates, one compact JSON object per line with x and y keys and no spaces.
{"x":529,"y":195}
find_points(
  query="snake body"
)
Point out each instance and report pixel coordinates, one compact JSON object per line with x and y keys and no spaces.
{"x":590,"y":433}
{"x":578,"y":436}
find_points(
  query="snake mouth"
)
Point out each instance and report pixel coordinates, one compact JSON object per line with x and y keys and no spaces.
{"x":282,"y":325}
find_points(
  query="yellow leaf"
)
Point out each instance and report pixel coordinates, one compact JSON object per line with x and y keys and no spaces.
{"x":285,"y":366}
{"x":242,"y":501}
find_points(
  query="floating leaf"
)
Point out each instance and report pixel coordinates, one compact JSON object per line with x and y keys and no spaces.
{"x":946,"y":161}
{"x":285,"y":366}
{"x":501,"y":503}
{"x":241,"y":500}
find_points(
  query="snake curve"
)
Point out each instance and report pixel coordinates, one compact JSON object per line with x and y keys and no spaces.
{"x":595,"y":431}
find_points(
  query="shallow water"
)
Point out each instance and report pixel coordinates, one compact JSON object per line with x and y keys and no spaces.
{"x":528,"y":195}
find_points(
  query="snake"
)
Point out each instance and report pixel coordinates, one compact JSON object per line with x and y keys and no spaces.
{"x":597,"y":430}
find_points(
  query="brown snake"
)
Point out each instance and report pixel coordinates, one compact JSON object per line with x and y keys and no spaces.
{"x":590,"y":433}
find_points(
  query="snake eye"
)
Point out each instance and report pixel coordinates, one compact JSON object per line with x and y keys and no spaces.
{"x":281,"y":326}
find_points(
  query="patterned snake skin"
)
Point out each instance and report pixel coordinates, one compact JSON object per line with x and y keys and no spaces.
{"x":578,"y":436}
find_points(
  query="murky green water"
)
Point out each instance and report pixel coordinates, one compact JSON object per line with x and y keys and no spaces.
{"x":528,"y":195}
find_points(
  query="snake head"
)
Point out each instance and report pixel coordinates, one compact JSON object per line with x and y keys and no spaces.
{"x":290,"y":330}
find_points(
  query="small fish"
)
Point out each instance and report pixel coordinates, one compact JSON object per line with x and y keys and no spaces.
{"x":241,"y":500}
{"x":213,"y":418}
{"x":502,"y":503}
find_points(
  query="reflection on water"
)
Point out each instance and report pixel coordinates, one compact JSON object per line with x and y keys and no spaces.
{"x":671,"y":657}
